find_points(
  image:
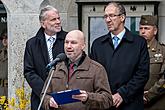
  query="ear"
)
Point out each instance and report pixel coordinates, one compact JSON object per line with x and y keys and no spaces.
{"x":83,"y":46}
{"x":5,"y":42}
{"x":123,"y":17}
{"x":42,"y":24}
{"x":155,"y":30}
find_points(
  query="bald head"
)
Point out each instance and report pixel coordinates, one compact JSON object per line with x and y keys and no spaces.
{"x":74,"y":44}
{"x":77,"y":33}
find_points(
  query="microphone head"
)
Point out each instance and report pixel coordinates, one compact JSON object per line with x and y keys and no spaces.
{"x":61,"y":56}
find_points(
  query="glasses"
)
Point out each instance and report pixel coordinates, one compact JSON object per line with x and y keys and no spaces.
{"x":111,"y":16}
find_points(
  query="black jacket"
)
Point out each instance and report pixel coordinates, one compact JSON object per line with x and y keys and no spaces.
{"x":127,"y":67}
{"x":35,"y":60}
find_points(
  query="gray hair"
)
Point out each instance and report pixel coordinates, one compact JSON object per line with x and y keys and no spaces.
{"x":119,"y":6}
{"x":43,"y":14}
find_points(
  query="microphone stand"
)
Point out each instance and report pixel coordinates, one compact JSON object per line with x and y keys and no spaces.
{"x":51,"y":75}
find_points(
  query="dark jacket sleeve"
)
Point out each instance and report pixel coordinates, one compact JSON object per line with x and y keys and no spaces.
{"x":34,"y":80}
{"x":135,"y":85}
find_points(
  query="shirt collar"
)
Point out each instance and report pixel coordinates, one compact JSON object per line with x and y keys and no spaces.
{"x":47,"y":36}
{"x":79,"y":61}
{"x":76,"y":63}
{"x":120,"y":35}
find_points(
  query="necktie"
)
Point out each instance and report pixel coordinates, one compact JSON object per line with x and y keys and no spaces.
{"x":51,"y":41}
{"x":116,"y":40}
{"x":71,"y":70}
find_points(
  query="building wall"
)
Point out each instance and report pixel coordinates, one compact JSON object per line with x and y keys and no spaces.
{"x":22,"y":22}
{"x":161,"y":21}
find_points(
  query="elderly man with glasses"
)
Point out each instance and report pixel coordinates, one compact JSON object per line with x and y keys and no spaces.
{"x":125,"y":58}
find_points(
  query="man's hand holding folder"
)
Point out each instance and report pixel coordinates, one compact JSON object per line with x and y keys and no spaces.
{"x":53,"y":103}
{"x":82,"y":97}
{"x":69,"y":96}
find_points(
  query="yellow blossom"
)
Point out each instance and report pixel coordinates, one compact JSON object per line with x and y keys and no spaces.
{"x":2,"y":99}
{"x":11,"y":102}
{"x":21,"y":102}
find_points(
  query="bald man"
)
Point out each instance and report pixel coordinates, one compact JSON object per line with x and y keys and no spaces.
{"x":87,"y":75}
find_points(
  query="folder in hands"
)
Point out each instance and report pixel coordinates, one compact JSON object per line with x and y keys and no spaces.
{"x":65,"y":97}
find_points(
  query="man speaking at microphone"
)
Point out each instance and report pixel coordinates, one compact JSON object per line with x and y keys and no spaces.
{"x":78,"y":71}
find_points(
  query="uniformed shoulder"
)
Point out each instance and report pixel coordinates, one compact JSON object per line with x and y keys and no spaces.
{"x":162,"y":47}
{"x":162,"y":44}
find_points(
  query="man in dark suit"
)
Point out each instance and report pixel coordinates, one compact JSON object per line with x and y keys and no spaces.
{"x":39,"y":51}
{"x":125,"y":58}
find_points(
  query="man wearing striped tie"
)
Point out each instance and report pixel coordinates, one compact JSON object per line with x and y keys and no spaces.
{"x":41,"y":49}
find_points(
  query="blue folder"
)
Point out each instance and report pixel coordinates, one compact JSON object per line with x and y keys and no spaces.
{"x":65,"y":97}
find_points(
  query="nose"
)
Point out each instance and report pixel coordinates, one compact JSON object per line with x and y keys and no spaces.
{"x":143,"y":31}
{"x":69,"y":45}
{"x":58,"y":21}
{"x":107,"y":19}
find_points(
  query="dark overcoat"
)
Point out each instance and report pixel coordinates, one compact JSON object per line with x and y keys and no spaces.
{"x":127,"y":67}
{"x":35,"y":61}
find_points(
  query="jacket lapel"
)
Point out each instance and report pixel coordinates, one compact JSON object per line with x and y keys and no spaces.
{"x":43,"y":45}
{"x":44,"y":51}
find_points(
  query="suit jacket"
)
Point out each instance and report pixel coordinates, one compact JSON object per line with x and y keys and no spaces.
{"x":35,"y":61}
{"x":127,"y":67}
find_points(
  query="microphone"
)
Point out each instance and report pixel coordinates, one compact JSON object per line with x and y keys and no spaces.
{"x":60,"y":57}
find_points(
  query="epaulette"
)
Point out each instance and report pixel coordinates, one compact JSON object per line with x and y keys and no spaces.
{"x":161,"y":43}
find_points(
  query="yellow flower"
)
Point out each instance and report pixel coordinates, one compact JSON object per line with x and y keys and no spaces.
{"x":11,"y":102}
{"x":21,"y":102}
{"x":2,"y":100}
{"x":5,"y":105}
{"x":20,"y":93}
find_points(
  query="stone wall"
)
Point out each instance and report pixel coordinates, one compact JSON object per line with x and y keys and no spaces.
{"x":22,"y":22}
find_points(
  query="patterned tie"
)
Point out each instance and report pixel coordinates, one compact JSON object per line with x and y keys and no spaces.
{"x":116,"y":41}
{"x":51,"y":41}
{"x":71,"y":70}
